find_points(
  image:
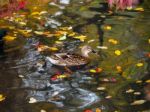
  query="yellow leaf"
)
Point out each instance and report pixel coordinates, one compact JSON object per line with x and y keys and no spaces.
{"x":98,"y":110}
{"x":53,"y":48}
{"x":113,"y":41}
{"x":62,"y":76}
{"x":138,"y":102}
{"x":149,"y":41}
{"x":23,"y":23}
{"x":119,"y":68}
{"x":139,"y":81}
{"x":130,"y":91}
{"x":9,"y":38}
{"x":2,"y":97}
{"x":35,"y":13}
{"x":81,"y":38}
{"x":139,"y":9}
{"x":72,"y":34}
{"x":42,"y":48}
{"x":139,"y":64}
{"x":39,"y":32}
{"x":118,"y":52}
{"x":107,"y":27}
{"x":93,"y":71}
{"x":148,"y":81}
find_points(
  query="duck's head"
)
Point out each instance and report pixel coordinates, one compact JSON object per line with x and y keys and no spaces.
{"x":85,"y":50}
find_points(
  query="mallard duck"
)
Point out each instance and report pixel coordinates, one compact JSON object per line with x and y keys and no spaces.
{"x":71,"y":60}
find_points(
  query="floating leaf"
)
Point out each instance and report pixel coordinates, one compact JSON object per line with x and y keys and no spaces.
{"x":107,"y":27}
{"x":53,"y":48}
{"x":93,"y":71}
{"x":9,"y":38}
{"x":147,"y":81}
{"x":130,"y":91}
{"x":108,"y":97}
{"x":140,"y":64}
{"x":42,"y":48}
{"x":137,"y":93}
{"x":102,"y":47}
{"x":43,"y":12}
{"x":98,"y":110}
{"x":35,"y":13}
{"x":22,"y":23}
{"x":32,"y":100}
{"x":43,"y":110}
{"x":88,"y":110}
{"x":2,"y":97}
{"x":138,"y":102}
{"x":118,"y":52}
{"x":64,"y":37}
{"x":72,"y":34}
{"x":139,"y":81}
{"x":39,"y":32}
{"x":113,"y":41}
{"x":101,"y":88}
{"x":139,"y":9}
{"x":119,"y":68}
{"x":81,"y":38}
{"x":98,"y":70}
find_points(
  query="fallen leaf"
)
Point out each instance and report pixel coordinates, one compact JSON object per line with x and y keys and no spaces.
{"x":107,"y":27}
{"x":118,"y":52}
{"x":72,"y":34}
{"x":101,"y":88}
{"x":43,"y":110}
{"x":102,"y":47}
{"x":140,"y":64}
{"x":32,"y":100}
{"x":2,"y":97}
{"x":64,"y":37}
{"x":138,"y":102}
{"x":88,"y":110}
{"x":139,"y":81}
{"x":108,"y":97}
{"x":93,"y":71}
{"x":119,"y":68}
{"x":147,"y":81}
{"x":98,"y":70}
{"x":53,"y":48}
{"x":139,"y":9}
{"x":23,"y":23}
{"x":130,"y":91}
{"x":137,"y":93}
{"x":81,"y":37}
{"x":39,"y":32}
{"x":43,"y":12}
{"x":9,"y":38}
{"x":98,"y":110}
{"x":35,"y":13}
{"x":113,"y":41}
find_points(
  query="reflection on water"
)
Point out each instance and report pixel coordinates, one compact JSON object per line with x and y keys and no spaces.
{"x":25,"y":75}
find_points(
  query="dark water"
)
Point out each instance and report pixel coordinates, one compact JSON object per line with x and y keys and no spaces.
{"x":22,"y":76}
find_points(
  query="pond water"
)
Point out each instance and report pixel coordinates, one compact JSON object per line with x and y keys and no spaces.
{"x":113,"y":81}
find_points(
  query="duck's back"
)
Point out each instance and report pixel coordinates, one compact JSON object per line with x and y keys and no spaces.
{"x":69,"y":60}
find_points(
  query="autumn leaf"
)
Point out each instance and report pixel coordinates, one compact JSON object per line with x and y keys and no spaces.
{"x":113,"y":41}
{"x":139,"y":64}
{"x":81,"y":37}
{"x":2,"y":97}
{"x":118,"y":52}
{"x":9,"y":38}
{"x":138,"y":102}
{"x":39,"y":32}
